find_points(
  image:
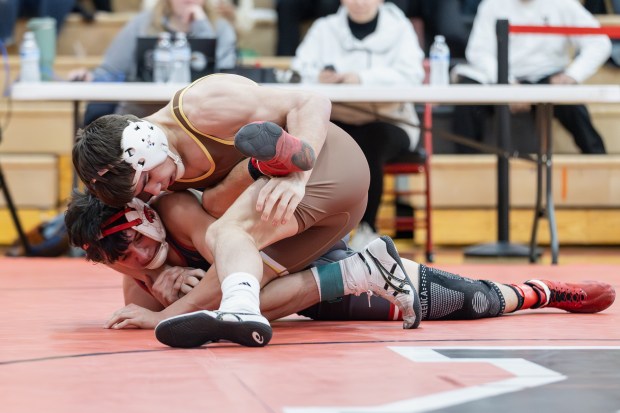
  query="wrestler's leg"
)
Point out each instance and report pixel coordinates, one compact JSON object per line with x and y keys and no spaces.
{"x":449,"y":296}
{"x":234,"y":241}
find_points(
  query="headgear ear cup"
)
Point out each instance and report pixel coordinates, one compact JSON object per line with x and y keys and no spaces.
{"x":150,"y":226}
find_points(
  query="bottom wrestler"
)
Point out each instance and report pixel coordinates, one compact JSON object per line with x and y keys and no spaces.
{"x":128,"y":243}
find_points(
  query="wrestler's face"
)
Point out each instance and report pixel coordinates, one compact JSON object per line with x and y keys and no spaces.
{"x":140,"y":252}
{"x":362,"y":11}
{"x":157,"y":179}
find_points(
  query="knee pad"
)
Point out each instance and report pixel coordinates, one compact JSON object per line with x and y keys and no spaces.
{"x":446,"y":296}
{"x":337,"y":252}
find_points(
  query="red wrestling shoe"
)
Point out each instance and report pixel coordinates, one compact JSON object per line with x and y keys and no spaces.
{"x":583,"y":297}
{"x":274,"y":151}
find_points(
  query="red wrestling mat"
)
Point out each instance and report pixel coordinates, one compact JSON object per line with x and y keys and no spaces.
{"x":56,"y":357}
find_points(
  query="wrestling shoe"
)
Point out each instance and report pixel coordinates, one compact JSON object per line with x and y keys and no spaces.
{"x":200,"y":327}
{"x":583,"y":297}
{"x":388,"y":280}
{"x":274,"y":151}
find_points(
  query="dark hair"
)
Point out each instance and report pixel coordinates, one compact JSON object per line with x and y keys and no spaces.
{"x":83,"y":219}
{"x":97,"y":147}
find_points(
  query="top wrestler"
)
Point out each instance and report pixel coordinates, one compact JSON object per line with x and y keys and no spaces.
{"x":200,"y":139}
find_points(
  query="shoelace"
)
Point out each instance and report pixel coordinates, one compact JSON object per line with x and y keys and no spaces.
{"x":387,"y":276}
{"x":567,"y":297}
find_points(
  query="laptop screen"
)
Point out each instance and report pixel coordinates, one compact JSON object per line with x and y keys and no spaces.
{"x":202,"y":63}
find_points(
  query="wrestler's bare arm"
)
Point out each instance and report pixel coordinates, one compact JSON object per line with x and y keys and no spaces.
{"x":133,"y":294}
{"x":221,"y":105}
{"x":216,"y":200}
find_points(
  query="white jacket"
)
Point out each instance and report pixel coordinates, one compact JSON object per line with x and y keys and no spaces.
{"x":390,"y":56}
{"x":534,"y":56}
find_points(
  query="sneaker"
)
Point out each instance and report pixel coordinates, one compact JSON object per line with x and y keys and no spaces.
{"x":200,"y":327}
{"x":276,"y":151}
{"x":583,"y":297}
{"x":363,"y":236}
{"x":390,"y":281}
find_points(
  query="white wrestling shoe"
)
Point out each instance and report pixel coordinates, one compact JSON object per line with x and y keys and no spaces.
{"x":389,"y":280}
{"x":200,"y":327}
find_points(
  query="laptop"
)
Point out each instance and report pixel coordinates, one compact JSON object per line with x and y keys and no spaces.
{"x":202,"y":64}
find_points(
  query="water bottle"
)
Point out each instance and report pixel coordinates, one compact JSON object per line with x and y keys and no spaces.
{"x":30,"y":58}
{"x":162,"y":58}
{"x":181,"y":57}
{"x":440,"y":62}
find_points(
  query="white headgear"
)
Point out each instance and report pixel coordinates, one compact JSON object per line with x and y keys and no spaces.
{"x":145,"y":146}
{"x":142,"y":218}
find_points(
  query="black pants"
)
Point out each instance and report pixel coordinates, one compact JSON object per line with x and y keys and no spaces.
{"x":470,"y":121}
{"x":380,"y":142}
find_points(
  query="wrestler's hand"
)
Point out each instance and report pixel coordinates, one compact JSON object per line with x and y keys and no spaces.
{"x":278,"y":199}
{"x":133,"y":316}
{"x":174,"y":282}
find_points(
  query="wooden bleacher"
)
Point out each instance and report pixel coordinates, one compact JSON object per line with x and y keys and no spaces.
{"x":35,"y":155}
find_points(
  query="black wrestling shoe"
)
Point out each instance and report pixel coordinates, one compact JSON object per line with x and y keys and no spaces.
{"x":201,"y":327}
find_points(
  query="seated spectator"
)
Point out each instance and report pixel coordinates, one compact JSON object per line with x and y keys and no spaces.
{"x":607,"y":7}
{"x":11,"y":10}
{"x":292,"y":13}
{"x":367,"y":43}
{"x":533,"y":59}
{"x":197,"y":19}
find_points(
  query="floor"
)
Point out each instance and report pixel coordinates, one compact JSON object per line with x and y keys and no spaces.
{"x":56,"y":357}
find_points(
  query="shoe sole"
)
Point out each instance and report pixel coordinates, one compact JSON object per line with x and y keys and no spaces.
{"x":391,"y":249}
{"x":259,"y":140}
{"x":195,"y":329}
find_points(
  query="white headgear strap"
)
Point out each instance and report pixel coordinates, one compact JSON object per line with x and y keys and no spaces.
{"x":145,"y":146}
{"x":142,"y":218}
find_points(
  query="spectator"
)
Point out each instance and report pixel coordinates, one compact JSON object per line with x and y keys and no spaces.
{"x":533,"y":59}
{"x":367,"y":43}
{"x":11,"y":10}
{"x":292,"y":13}
{"x":197,"y":19}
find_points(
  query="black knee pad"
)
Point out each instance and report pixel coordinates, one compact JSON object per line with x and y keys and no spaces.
{"x":446,"y":296}
{"x":338,"y":252}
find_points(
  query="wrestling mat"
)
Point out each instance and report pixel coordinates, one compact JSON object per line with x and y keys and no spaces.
{"x":56,"y":357}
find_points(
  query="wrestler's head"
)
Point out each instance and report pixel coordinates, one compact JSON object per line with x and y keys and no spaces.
{"x":120,"y":156}
{"x":132,"y":236}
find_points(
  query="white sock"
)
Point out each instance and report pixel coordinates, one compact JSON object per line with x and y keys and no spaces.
{"x":240,"y":294}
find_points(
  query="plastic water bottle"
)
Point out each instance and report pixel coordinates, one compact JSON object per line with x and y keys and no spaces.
{"x":440,"y":61}
{"x":30,"y":57}
{"x":162,"y":58}
{"x":181,"y":57}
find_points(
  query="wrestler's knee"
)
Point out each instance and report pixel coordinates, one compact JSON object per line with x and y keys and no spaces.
{"x":446,"y":296}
